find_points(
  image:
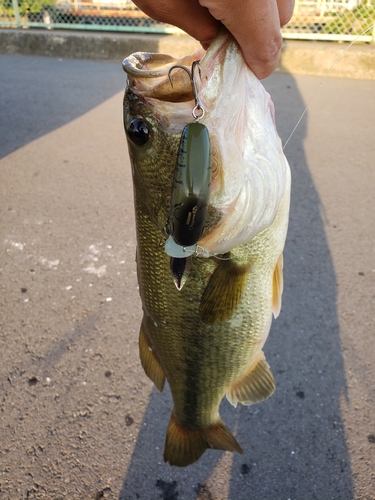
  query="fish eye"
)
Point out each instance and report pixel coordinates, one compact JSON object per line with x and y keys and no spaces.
{"x":138,"y":132}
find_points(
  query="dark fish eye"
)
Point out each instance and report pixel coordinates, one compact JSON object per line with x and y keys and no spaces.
{"x":138,"y":132}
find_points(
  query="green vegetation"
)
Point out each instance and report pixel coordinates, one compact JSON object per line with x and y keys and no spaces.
{"x":25,"y":7}
{"x":353,"y":22}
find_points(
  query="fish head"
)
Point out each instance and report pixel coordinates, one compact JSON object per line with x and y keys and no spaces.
{"x":155,"y":113}
{"x":250,"y":174}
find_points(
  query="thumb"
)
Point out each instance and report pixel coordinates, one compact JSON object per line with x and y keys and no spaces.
{"x":256,"y":26}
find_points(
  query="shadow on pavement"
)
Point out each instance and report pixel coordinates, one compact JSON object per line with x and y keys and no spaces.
{"x":294,"y":442}
{"x":40,"y":102}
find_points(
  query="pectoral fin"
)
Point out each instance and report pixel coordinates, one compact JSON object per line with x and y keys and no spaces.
{"x":149,"y":362}
{"x":278,"y":285}
{"x":184,"y":446}
{"x":223,"y":292}
{"x":257,"y":384}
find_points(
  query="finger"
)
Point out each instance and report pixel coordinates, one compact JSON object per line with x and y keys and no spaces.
{"x":256,"y":26}
{"x":187,"y":15}
{"x":286,"y":8}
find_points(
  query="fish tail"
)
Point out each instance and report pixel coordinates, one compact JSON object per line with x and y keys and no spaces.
{"x":184,"y":446}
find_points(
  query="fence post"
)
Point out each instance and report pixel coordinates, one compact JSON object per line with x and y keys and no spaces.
{"x":16,"y":13}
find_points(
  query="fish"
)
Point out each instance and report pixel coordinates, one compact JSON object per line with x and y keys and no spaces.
{"x":206,"y":338}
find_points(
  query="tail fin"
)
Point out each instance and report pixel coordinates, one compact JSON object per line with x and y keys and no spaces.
{"x":185,"y":446}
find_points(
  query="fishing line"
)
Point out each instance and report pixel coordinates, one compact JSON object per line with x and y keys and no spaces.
{"x":323,"y":80}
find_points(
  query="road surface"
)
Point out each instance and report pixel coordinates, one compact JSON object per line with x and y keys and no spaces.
{"x":79,"y":419}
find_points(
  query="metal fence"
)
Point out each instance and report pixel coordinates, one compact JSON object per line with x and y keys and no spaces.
{"x":99,"y":15}
{"x":343,"y":20}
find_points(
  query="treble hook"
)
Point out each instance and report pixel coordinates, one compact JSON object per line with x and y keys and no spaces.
{"x":198,"y":106}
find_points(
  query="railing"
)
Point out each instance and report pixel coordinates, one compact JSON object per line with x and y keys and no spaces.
{"x":98,"y":15}
{"x":343,"y":20}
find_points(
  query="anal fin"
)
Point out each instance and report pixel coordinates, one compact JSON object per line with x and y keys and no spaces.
{"x":184,"y":446}
{"x":149,"y":362}
{"x":256,"y":385}
{"x":223,"y":292}
{"x":278,"y":285}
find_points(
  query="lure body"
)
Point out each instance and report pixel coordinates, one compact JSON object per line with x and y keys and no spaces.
{"x":191,"y":185}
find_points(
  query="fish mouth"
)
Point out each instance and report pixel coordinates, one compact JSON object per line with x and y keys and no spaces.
{"x":148,"y":76}
{"x":148,"y":72}
{"x":171,"y":100}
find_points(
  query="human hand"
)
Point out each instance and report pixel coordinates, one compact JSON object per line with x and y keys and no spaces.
{"x":254,"y":23}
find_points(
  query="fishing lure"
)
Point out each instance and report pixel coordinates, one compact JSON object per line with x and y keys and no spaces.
{"x":192,"y":176}
{"x":191,"y":185}
{"x":190,"y":190}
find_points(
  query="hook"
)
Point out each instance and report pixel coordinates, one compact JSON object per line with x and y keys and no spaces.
{"x":198,"y":111}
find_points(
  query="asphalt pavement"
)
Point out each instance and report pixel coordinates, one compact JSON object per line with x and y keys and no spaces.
{"x":79,"y":419}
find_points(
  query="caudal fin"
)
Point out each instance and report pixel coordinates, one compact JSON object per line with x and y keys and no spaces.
{"x":185,"y":446}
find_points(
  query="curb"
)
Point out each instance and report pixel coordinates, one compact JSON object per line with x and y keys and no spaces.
{"x":300,"y":57}
{"x":317,"y":58}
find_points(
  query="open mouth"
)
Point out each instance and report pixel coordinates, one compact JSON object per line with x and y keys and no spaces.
{"x":148,"y":73}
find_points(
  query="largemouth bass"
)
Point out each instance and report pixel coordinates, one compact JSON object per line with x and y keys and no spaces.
{"x":207,"y":338}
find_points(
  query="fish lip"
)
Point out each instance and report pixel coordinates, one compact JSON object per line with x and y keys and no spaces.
{"x":148,"y":75}
{"x":136,"y":64}
{"x":148,"y":72}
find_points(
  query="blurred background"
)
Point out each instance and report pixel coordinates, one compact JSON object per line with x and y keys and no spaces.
{"x":340,"y":20}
